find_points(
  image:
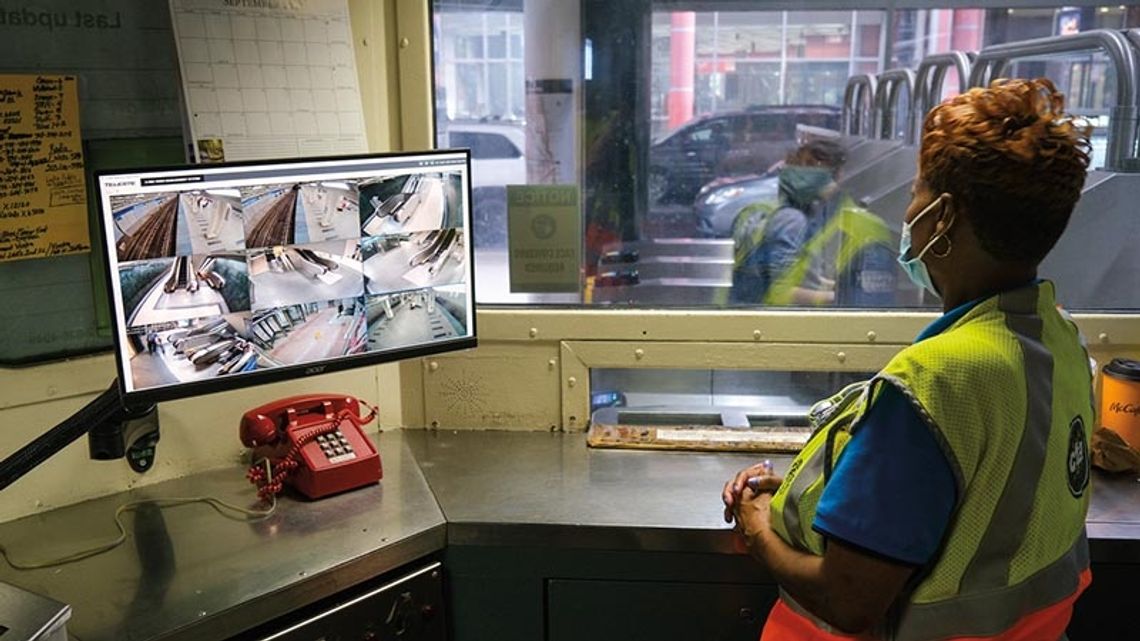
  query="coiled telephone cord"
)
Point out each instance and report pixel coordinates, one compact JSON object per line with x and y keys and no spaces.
{"x":271,"y":481}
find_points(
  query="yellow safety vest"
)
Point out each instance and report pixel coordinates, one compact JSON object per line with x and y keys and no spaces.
{"x":853,"y":227}
{"x":1007,"y":393}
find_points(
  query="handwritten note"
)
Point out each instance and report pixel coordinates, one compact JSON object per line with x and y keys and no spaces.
{"x":43,"y":197}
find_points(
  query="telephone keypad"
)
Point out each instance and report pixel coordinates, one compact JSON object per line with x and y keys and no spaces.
{"x":336,"y":447}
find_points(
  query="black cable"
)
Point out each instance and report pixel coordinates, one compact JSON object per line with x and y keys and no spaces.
{"x":100,"y":410}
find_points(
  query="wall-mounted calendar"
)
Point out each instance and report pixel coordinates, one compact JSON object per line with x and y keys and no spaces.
{"x":269,"y":79}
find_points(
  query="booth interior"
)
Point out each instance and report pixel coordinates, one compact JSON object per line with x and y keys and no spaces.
{"x":426,"y":319}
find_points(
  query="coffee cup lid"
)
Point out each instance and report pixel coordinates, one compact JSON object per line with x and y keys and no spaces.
{"x":1123,"y":368}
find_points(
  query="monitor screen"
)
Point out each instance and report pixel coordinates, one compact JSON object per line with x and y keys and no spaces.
{"x":229,"y":275}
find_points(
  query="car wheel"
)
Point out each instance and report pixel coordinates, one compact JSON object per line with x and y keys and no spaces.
{"x":658,"y":185}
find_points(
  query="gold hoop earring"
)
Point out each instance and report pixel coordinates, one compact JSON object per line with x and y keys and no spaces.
{"x":949,"y":248}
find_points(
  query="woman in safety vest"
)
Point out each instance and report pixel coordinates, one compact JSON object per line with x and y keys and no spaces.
{"x":945,"y":498}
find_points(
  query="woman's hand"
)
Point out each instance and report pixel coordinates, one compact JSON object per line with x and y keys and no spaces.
{"x":766,"y":482}
{"x":753,"y":515}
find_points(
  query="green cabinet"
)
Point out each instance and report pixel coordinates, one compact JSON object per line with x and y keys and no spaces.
{"x":653,"y":611}
{"x":503,"y":593}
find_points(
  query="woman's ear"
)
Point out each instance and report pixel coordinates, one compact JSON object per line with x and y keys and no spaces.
{"x":947,"y":214}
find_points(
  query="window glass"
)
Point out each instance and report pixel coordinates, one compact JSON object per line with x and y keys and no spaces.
{"x":868,"y":34}
{"x":478,"y":65}
{"x":1086,"y":79}
{"x":485,"y":146}
{"x":469,"y":47}
{"x":682,"y":128}
{"x":735,"y":399}
{"x":707,"y":133}
{"x":817,"y":82}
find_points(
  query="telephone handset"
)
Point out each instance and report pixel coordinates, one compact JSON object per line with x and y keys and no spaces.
{"x":313,"y":443}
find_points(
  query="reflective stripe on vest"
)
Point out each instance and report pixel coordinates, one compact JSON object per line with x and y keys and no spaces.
{"x":787,"y":621}
{"x":990,"y":566}
{"x":986,"y":617}
{"x":809,"y":471}
{"x":1006,"y":571}
{"x":1005,"y":613}
{"x":856,"y":227}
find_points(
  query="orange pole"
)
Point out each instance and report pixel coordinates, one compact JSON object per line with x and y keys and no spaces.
{"x":682,"y":67}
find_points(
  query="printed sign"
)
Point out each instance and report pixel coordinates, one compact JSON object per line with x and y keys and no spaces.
{"x":544,"y":227}
{"x":43,"y":196}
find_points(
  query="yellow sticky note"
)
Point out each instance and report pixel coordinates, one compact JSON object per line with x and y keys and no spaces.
{"x":43,"y":195}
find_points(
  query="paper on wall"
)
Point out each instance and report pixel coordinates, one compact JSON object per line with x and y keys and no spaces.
{"x":43,"y":194}
{"x":269,"y":79}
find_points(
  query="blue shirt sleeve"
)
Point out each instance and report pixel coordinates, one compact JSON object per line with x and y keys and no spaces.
{"x":783,"y":241}
{"x":892,"y":491}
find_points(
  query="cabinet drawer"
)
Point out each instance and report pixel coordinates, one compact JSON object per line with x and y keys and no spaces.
{"x":656,"y":611}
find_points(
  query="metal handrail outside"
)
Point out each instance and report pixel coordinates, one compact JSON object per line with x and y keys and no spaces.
{"x":993,"y":61}
{"x":859,"y":88}
{"x":887,"y":95}
{"x":929,"y":78}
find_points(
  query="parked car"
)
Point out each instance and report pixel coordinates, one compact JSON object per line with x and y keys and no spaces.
{"x":718,"y":203}
{"x":497,"y":159}
{"x":497,"y":150}
{"x":727,"y":144}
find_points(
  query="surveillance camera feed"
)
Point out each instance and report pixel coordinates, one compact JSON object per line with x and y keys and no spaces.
{"x":227,"y":271}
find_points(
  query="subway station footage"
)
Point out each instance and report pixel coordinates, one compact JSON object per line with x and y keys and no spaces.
{"x":566,"y":320}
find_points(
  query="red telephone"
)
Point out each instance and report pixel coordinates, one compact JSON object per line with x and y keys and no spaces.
{"x":313,"y":442}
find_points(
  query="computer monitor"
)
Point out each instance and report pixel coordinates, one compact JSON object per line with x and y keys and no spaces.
{"x":228,"y":275}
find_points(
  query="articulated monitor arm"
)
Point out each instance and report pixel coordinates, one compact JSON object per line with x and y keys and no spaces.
{"x":113,"y":429}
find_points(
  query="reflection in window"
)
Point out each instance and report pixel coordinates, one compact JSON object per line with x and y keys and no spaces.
{"x":742,"y":58}
{"x":817,"y":82}
{"x":687,"y":119}
{"x":1085,"y":80}
{"x":485,"y":145}
{"x":479,"y":65}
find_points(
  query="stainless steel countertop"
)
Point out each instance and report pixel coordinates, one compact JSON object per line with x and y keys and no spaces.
{"x":526,"y":488}
{"x":537,"y":488}
{"x":189,"y":573}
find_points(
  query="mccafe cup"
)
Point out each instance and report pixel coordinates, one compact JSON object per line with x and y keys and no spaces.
{"x":1120,"y":399}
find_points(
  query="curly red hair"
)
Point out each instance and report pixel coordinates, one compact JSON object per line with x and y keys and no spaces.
{"x":1013,"y":161}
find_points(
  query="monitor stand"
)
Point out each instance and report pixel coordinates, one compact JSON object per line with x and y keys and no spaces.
{"x":114,"y":431}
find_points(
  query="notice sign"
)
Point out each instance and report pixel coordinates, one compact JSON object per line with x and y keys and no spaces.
{"x":43,"y":198}
{"x":544,"y":238}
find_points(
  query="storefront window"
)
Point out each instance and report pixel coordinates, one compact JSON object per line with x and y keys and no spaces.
{"x":680,"y":120}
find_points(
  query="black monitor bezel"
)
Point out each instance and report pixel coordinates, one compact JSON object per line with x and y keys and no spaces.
{"x":288,"y":372}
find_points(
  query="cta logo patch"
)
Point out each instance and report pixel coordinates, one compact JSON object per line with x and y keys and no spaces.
{"x":1078,"y":459}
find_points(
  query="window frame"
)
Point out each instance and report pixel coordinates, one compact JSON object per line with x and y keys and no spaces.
{"x":565,"y":342}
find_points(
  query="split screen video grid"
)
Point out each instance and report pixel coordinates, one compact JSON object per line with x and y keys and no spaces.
{"x":221,"y":281}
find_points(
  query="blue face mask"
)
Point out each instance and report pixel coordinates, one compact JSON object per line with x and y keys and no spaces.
{"x":915,"y":269}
